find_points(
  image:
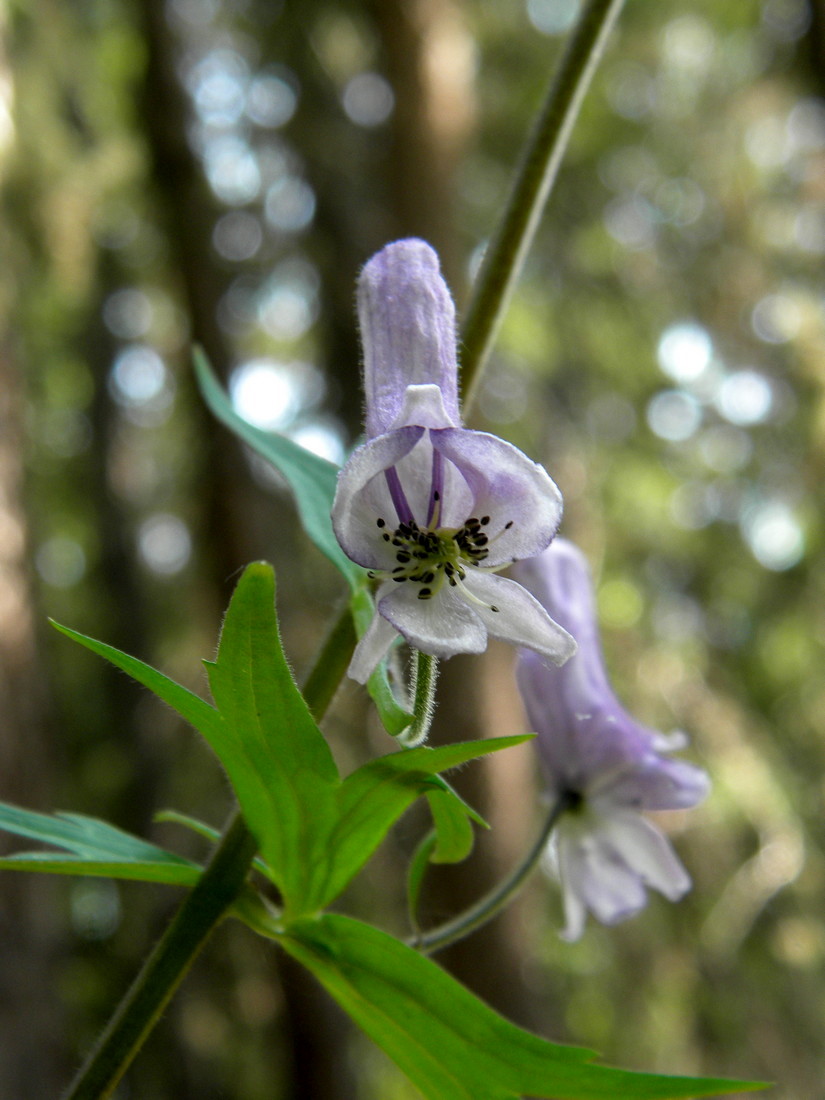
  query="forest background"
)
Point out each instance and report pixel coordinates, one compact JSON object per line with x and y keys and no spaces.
{"x":219,"y":170}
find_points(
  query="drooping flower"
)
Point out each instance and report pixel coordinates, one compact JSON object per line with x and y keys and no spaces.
{"x":432,"y":509}
{"x":608,"y":766}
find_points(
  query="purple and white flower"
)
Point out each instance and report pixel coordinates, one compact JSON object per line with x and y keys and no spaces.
{"x":431,"y":509}
{"x":608,"y":766}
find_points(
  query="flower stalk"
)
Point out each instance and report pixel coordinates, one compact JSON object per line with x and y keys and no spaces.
{"x":500,"y":896}
{"x":423,"y":691}
{"x":507,"y":250}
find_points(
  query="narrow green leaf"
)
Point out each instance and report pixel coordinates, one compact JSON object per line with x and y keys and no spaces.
{"x":209,"y":832}
{"x":450,"y":1044}
{"x":312,"y":479}
{"x":91,"y":847}
{"x":194,"y":710}
{"x":288,"y":780}
{"x":168,"y":874}
{"x":372,"y":798}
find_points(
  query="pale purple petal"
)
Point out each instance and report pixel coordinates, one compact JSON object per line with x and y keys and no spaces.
{"x":560,"y":580}
{"x":407,"y":320}
{"x":661,"y":784}
{"x":519,"y":618}
{"x":442,"y":626}
{"x":354,"y":511}
{"x":506,"y":486}
{"x":371,"y":648}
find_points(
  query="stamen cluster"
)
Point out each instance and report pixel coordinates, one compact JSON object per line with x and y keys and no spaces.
{"x":430,"y":556}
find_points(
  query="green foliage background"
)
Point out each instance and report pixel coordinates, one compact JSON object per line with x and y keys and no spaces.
{"x":693,"y":194}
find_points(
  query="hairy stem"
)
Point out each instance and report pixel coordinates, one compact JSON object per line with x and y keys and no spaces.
{"x":423,"y":687}
{"x":506,"y":252}
{"x":500,"y":896}
{"x":207,"y":903}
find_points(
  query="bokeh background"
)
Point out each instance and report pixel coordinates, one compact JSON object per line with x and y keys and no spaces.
{"x":218,"y":170}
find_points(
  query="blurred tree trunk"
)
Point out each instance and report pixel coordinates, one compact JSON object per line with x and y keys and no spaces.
{"x":429,"y":54}
{"x":189,"y":214}
{"x":32,"y":1062}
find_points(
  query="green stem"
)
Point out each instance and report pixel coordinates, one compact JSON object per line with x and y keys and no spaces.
{"x":217,"y":889}
{"x":506,"y":252}
{"x":426,"y":675}
{"x":500,"y":896}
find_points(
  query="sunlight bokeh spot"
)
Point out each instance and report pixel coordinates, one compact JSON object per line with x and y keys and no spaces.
{"x":685,"y":351}
{"x":774,"y":535}
{"x":368,"y":99}
{"x":553,"y":16}
{"x":289,"y":204}
{"x":265,"y":393}
{"x":164,"y":544}
{"x":271,"y":99}
{"x":60,"y":561}
{"x":128,"y":313}
{"x":138,"y":375}
{"x":745,"y":397}
{"x":674,"y":415}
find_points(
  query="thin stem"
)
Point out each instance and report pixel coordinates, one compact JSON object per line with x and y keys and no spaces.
{"x":507,"y":251}
{"x":500,"y":896}
{"x":207,"y":903}
{"x":424,"y":681}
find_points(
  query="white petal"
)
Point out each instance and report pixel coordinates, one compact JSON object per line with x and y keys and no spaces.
{"x":442,"y":626}
{"x":353,"y":514}
{"x":647,"y":852}
{"x":372,"y":647}
{"x":520,"y":619}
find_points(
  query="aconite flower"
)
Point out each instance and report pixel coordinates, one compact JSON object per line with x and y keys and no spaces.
{"x":605,"y":765}
{"x":432,"y":509}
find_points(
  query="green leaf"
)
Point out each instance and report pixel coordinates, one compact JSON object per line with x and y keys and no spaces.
{"x":415,"y":877}
{"x":450,"y":1044}
{"x":194,"y":710}
{"x":394,"y":717}
{"x":276,"y":757}
{"x":286,"y":779}
{"x":311,"y":478}
{"x":372,"y":798}
{"x":209,"y":832}
{"x":91,"y":847}
{"x":454,"y":833}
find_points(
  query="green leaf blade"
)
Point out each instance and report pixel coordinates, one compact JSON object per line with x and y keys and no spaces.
{"x":90,"y":847}
{"x":450,"y":1044}
{"x":372,"y":798}
{"x":311,"y":478}
{"x":287,"y":779}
